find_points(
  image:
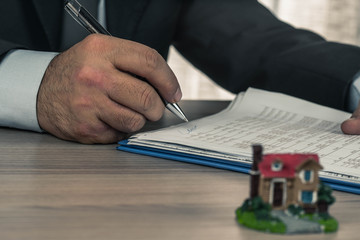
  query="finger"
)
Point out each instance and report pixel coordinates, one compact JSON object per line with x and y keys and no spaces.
{"x":83,"y":125}
{"x":109,"y":135}
{"x":101,"y":113}
{"x":146,"y":62}
{"x":135,"y":94}
{"x":93,"y":130}
{"x":120,"y":117}
{"x":89,"y":132}
{"x":351,"y":126}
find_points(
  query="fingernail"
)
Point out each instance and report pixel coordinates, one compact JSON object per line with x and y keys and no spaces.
{"x":178,"y":95}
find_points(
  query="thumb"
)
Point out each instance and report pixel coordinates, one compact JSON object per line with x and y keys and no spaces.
{"x":352,"y":125}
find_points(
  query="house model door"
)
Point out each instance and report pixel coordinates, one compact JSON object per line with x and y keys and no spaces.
{"x":278,"y":192}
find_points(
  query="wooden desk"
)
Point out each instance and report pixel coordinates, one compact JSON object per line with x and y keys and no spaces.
{"x":53,"y":189}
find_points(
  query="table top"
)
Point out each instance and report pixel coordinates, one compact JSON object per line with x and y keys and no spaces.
{"x":54,"y":189}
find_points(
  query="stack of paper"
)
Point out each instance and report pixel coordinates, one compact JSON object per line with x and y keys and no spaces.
{"x":281,"y":123}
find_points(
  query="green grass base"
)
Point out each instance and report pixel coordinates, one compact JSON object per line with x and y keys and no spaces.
{"x":248,"y":219}
{"x":328,"y":223}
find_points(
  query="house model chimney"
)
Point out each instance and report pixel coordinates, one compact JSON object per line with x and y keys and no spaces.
{"x":254,"y":172}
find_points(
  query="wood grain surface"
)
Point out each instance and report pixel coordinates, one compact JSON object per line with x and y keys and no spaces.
{"x":53,"y":189}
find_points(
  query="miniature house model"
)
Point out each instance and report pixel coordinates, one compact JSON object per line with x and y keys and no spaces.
{"x":285,"y":179}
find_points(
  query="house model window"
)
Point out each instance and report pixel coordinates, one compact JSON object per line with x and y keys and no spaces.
{"x":308,"y":197}
{"x":307,"y":176}
{"x":277,"y":165}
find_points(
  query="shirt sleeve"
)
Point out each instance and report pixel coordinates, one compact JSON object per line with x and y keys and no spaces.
{"x":354,"y":93}
{"x":21,"y":72}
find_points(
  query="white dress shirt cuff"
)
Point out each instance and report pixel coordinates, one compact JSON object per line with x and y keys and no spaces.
{"x":354,"y":93}
{"x":21,"y":72}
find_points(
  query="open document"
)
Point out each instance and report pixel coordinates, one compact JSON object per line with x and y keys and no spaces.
{"x":281,"y":123}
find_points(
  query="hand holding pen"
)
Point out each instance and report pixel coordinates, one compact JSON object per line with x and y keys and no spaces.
{"x":88,"y":95}
{"x":84,"y":18}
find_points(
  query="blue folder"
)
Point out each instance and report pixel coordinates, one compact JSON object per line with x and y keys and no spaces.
{"x":345,"y":186}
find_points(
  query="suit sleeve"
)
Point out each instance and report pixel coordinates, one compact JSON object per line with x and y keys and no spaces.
{"x":6,"y":46}
{"x":21,"y":70}
{"x":240,"y":44}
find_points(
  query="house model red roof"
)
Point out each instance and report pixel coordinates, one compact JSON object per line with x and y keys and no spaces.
{"x":287,"y":163}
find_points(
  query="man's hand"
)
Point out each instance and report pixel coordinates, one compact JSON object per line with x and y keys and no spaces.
{"x":88,"y":95}
{"x":352,"y":125}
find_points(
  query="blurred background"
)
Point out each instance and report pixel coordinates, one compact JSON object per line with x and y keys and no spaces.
{"x":336,"y":20}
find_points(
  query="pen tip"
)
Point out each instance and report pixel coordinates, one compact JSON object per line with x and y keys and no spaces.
{"x":175,"y":109}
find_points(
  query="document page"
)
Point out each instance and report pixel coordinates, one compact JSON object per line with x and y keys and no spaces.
{"x":281,"y":123}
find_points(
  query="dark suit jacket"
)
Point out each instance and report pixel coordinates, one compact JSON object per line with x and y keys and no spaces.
{"x":237,"y":43}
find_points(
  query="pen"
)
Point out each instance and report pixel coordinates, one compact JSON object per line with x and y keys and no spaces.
{"x":85,"y":19}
